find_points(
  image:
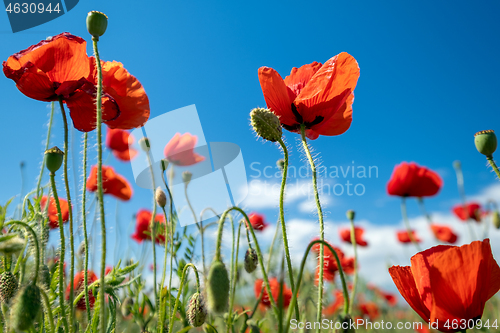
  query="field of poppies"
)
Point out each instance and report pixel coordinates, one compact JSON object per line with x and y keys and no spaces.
{"x":193,"y":284}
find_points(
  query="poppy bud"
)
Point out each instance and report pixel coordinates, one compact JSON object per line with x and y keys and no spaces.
{"x":8,"y":286}
{"x":496,"y":219}
{"x":160,"y":197}
{"x":347,"y":325}
{"x":266,"y":124}
{"x":186,"y":177}
{"x":281,"y":164}
{"x":53,"y":159}
{"x":350,"y":214}
{"x":251,"y":260}
{"x":81,"y":249}
{"x":196,"y":312}
{"x":486,"y":142}
{"x":127,"y":306}
{"x":145,"y":145}
{"x":97,"y":23}
{"x":12,"y":245}
{"x":44,"y":277}
{"x":164,"y":164}
{"x":26,"y":306}
{"x":217,"y":287}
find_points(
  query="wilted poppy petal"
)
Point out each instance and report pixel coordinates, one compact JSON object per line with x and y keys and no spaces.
{"x":405,"y":282}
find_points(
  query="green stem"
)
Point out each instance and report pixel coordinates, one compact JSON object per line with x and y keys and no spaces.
{"x":61,"y":256}
{"x":282,"y":221}
{"x":48,"y":309}
{"x":461,"y":191}
{"x":35,"y":240}
{"x":355,"y":280}
{"x":47,"y":141}
{"x":321,"y":225}
{"x":84,"y":220}
{"x":70,"y":210}
{"x":233,"y":274}
{"x":153,"y":228}
{"x":99,"y":184}
{"x":183,"y":280}
{"x":299,"y":280}
{"x":407,"y":223}
{"x":493,"y":165}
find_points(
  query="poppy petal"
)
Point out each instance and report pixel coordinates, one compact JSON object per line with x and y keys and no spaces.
{"x":299,"y":77}
{"x":338,"y":122}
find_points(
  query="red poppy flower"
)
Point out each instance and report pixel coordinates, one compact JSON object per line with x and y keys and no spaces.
{"x":78,"y":287}
{"x":348,"y":265}
{"x":59,"y":67}
{"x":444,"y":233}
{"x":118,"y":141}
{"x":336,"y":305}
{"x":472,"y":211}
{"x":404,"y":237}
{"x":52,"y":211}
{"x":330,"y":266}
{"x":345,"y":235}
{"x":446,"y":283}
{"x":108,"y":270}
{"x":275,"y":291}
{"x":180,"y":150}
{"x":257,"y":221}
{"x":318,"y":96}
{"x":411,"y":180}
{"x":112,"y":183}
{"x":143,"y":229}
{"x":370,"y":309}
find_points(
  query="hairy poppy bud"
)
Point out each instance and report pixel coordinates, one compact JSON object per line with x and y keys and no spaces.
{"x":8,"y":286}
{"x":160,"y":197}
{"x":217,"y":288}
{"x":346,"y":325}
{"x":44,"y":277}
{"x":25,"y":308}
{"x":186,"y":177}
{"x":53,"y":159}
{"x":196,"y":312}
{"x":144,"y":144}
{"x":486,"y":142}
{"x":350,"y":214}
{"x":266,"y":124}
{"x":97,"y":23}
{"x":496,"y":219}
{"x":127,"y":304}
{"x":12,"y":245}
{"x":251,"y":260}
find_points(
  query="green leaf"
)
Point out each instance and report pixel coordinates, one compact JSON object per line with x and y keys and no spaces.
{"x":185,"y":329}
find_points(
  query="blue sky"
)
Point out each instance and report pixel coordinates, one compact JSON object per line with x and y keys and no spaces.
{"x":429,"y":81}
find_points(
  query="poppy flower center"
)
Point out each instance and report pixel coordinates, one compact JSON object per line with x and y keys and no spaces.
{"x":300,"y":121}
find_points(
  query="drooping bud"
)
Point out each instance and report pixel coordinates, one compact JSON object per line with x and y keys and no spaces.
{"x":53,"y":159}
{"x":186,"y":177}
{"x":281,"y":164}
{"x":266,"y":124}
{"x":495,"y":219}
{"x":126,"y":307}
{"x":11,"y":245}
{"x":346,"y":325}
{"x":97,"y":23}
{"x":81,"y":249}
{"x":251,"y":260}
{"x":160,"y":197}
{"x":8,"y":286}
{"x":26,"y":306}
{"x":486,"y":142}
{"x":164,"y":164}
{"x":217,"y":288}
{"x":350,"y":214}
{"x":144,"y":144}
{"x":44,"y":276}
{"x":196,"y":311}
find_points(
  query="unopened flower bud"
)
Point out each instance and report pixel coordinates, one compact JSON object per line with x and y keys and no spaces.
{"x":196,"y":312}
{"x":144,"y":144}
{"x":8,"y":286}
{"x":486,"y":142}
{"x":44,"y":276}
{"x":186,"y":177}
{"x":12,"y":245}
{"x":217,"y":288}
{"x":126,"y":307}
{"x":266,"y":124}
{"x":53,"y":159}
{"x":495,"y":218}
{"x":281,"y":164}
{"x":81,"y":249}
{"x":97,"y":23}
{"x":350,"y":214}
{"x":251,"y":260}
{"x":160,"y":197}
{"x":25,"y":308}
{"x":164,"y":164}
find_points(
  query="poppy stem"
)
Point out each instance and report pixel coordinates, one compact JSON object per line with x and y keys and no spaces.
{"x":282,"y":221}
{"x":461,"y":190}
{"x":355,"y":280}
{"x":47,"y":142}
{"x":70,"y":210}
{"x":37,"y":247}
{"x":493,"y":165}
{"x":61,"y":255}
{"x":299,"y":280}
{"x":99,"y":185}
{"x":407,"y":224}
{"x":321,"y":225}
{"x":183,"y":280}
{"x":152,"y":225}
{"x":84,"y":222}
{"x":234,"y":265}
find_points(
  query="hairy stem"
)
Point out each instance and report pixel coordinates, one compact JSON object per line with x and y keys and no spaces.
{"x":407,"y":223}
{"x":355,"y":280}
{"x":183,"y":280}
{"x":152,"y":225}
{"x":84,"y":222}
{"x":47,"y":141}
{"x":493,"y":165}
